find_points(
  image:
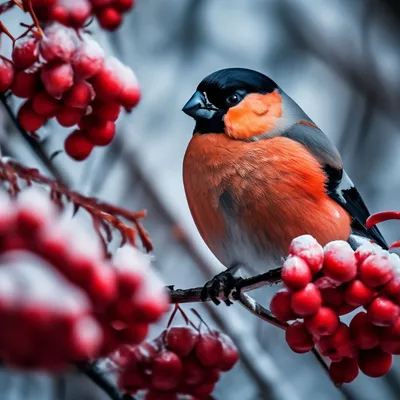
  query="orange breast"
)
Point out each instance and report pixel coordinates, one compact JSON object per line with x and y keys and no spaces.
{"x":276,"y":192}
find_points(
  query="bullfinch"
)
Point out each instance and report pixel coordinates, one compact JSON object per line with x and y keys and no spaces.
{"x":258,"y":172}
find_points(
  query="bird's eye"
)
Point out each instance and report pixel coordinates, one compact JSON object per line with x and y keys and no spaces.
{"x":233,"y":99}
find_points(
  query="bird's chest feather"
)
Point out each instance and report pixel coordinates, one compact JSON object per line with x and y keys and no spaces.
{"x":249,"y":199}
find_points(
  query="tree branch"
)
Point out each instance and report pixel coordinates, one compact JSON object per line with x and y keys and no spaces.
{"x":193,"y":295}
{"x":96,"y":375}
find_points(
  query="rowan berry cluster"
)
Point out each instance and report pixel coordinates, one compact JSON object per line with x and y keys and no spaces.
{"x":60,"y":300}
{"x":67,"y":77}
{"x":324,"y":283}
{"x":76,"y":13}
{"x":183,"y":360}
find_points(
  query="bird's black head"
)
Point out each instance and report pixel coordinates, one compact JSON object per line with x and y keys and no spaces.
{"x":220,"y":91}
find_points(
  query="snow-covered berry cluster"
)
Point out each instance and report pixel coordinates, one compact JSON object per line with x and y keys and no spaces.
{"x":324,"y":283}
{"x":60,"y":300}
{"x":182,"y":360}
{"x":76,"y":13}
{"x":67,"y":77}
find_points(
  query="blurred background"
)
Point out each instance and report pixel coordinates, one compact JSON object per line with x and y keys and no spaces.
{"x":340,"y":60}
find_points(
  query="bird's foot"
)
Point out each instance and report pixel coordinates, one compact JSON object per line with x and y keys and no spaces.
{"x":224,"y":282}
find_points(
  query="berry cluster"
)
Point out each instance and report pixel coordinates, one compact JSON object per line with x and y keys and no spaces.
{"x":182,"y":360}
{"x":324,"y":283}
{"x":67,"y":77}
{"x":60,"y":300}
{"x":76,"y":13}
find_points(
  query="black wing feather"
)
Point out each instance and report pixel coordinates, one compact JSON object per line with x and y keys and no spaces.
{"x":341,"y":189}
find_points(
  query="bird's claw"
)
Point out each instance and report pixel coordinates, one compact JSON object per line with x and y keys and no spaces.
{"x":224,"y":282}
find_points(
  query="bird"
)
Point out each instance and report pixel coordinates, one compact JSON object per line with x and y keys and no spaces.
{"x":258,"y":172}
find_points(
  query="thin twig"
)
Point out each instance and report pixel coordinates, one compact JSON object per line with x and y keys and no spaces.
{"x":96,"y":375}
{"x":33,"y":143}
{"x":103,"y":211}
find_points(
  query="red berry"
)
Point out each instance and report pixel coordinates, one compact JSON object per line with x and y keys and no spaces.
{"x":366,"y":250}
{"x":203,"y":391}
{"x":340,"y":263}
{"x":167,"y":371}
{"x":131,"y":381}
{"x":6,"y":74}
{"x":209,"y":350}
{"x":307,"y":248}
{"x":130,"y":96}
{"x":25,"y":52}
{"x":337,"y":345}
{"x":79,"y":96}
{"x":155,"y":395}
{"x":123,"y":5}
{"x":230,"y":353}
{"x":281,"y":306}
{"x":100,"y":133}
{"x":392,"y":288}
{"x":67,"y":116}
{"x":109,"y":18}
{"x":107,"y":82}
{"x":212,"y":375}
{"x":60,"y":14}
{"x":374,"y":363}
{"x":28,"y":119}
{"x":102,"y":3}
{"x":57,"y":78}
{"x":25,"y":84}
{"x":324,"y":322}
{"x":181,"y":339}
{"x":298,"y":338}
{"x":193,"y":372}
{"x":79,"y":12}
{"x":88,"y":59}
{"x":295,"y":273}
{"x":364,"y":334}
{"x":383,"y":312}
{"x":332,"y":297}
{"x":44,"y":104}
{"x":376,"y":270}
{"x":57,"y":43}
{"x":77,"y":146}
{"x":344,"y":371}
{"x":357,"y":293}
{"x":390,"y":338}
{"x":106,"y":111}
{"x":306,"y":301}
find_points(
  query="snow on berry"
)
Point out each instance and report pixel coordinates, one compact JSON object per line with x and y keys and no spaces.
{"x":65,"y":76}
{"x":308,"y":249}
{"x":340,"y":263}
{"x":58,"y":43}
{"x":88,"y":59}
{"x":376,"y":270}
{"x":60,"y":291}
{"x":25,"y":52}
{"x":368,"y":277}
{"x":296,"y":273}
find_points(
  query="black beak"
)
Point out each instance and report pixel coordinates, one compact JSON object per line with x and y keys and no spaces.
{"x":198,"y":107}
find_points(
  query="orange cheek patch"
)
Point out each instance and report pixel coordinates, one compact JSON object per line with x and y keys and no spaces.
{"x":255,"y":115}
